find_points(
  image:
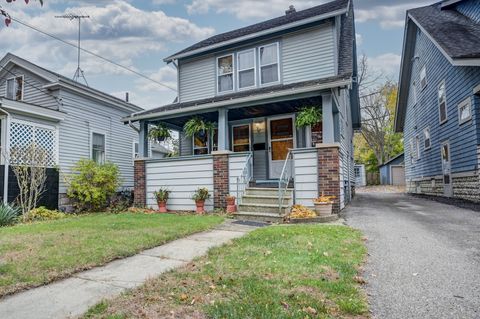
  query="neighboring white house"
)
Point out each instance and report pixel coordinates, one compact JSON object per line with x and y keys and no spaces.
{"x":69,"y":120}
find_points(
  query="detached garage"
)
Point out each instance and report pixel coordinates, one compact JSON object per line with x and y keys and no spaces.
{"x":393,"y":171}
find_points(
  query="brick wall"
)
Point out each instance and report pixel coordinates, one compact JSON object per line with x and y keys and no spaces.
{"x":220,"y":179}
{"x":329,"y":173}
{"x":140,"y":191}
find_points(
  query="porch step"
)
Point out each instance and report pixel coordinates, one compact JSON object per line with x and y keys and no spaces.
{"x":259,"y":191}
{"x":264,"y":199}
{"x":259,"y":217}
{"x":263,"y":208}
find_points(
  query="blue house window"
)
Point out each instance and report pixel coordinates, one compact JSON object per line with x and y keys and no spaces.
{"x":465,"y":111}
{"x":423,"y":77}
{"x":442,"y":102}
{"x":426,"y":137}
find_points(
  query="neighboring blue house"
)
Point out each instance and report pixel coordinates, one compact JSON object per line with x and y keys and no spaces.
{"x":393,"y":171}
{"x":438,"y":104}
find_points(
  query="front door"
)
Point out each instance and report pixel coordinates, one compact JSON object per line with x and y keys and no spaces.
{"x":447,"y":170}
{"x":281,"y":138}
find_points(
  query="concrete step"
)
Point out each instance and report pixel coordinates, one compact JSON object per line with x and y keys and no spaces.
{"x":264,"y":199}
{"x":266,"y":191}
{"x":259,"y":217}
{"x":263,"y":208}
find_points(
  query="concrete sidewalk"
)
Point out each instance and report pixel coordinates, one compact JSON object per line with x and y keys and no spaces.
{"x":74,"y":296}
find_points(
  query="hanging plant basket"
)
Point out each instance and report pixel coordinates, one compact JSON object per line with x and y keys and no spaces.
{"x":197,"y":125}
{"x":159,"y":133}
{"x":308,"y":116}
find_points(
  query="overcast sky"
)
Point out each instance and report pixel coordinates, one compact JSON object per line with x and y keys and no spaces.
{"x":140,"y":33}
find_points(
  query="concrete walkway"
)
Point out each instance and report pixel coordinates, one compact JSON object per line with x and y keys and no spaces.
{"x":74,"y":296}
{"x":424,"y":256}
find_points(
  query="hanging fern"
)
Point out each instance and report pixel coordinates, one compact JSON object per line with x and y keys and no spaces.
{"x":308,"y":116}
{"x":196,"y":125}
{"x":159,"y":133}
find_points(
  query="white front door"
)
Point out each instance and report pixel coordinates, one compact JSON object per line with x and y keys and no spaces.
{"x":281,"y":138}
{"x":447,"y":170}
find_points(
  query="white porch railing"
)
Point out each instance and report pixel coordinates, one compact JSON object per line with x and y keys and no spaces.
{"x":243,"y":180}
{"x":285,"y":178}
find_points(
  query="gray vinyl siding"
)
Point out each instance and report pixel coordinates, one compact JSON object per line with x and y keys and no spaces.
{"x":306,"y":176}
{"x":308,"y":55}
{"x":33,"y":92}
{"x":186,"y":145}
{"x":83,"y":117}
{"x":197,"y":79}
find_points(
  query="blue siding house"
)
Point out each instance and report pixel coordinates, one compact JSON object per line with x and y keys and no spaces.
{"x":438,"y":104}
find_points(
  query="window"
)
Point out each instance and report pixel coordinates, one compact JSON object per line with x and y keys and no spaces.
{"x":215,"y":140}
{"x":414,"y":93}
{"x":241,"y":138}
{"x":442,"y":102}
{"x":417,"y":147}
{"x":225,"y":73}
{"x":200,"y":143}
{"x":357,"y":172}
{"x":135,"y":150}
{"x":426,"y":138}
{"x":465,"y":111}
{"x":269,"y":64}
{"x":423,"y":77}
{"x":246,"y":69}
{"x":15,"y":88}
{"x":98,"y":148}
{"x":412,"y":152}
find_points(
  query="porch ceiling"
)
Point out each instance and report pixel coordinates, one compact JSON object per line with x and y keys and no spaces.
{"x":264,"y":110}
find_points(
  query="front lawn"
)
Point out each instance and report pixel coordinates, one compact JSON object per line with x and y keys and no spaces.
{"x":34,"y":254}
{"x":278,"y":272}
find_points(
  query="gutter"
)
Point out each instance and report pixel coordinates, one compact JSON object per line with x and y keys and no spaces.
{"x":246,"y":99}
{"x":257,"y":34}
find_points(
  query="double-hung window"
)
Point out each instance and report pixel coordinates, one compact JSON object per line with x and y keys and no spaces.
{"x":15,"y":88}
{"x":98,"y":148}
{"x":442,"y":102}
{"x":225,"y":73}
{"x":417,"y":147}
{"x":426,"y":138}
{"x":423,"y":77}
{"x":269,"y":66}
{"x":246,"y":69}
{"x":465,"y":111}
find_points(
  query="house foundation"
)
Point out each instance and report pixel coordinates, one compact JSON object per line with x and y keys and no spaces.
{"x":220,"y":179}
{"x":329,"y":173}
{"x":140,"y":187}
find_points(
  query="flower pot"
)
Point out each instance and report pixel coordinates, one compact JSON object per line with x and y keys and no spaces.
{"x":162,"y":206}
{"x":160,"y":139}
{"x":231,"y":207}
{"x":323,"y":209}
{"x":200,"y":206}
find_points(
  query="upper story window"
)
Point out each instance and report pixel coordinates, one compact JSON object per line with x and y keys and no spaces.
{"x":15,"y":88}
{"x":426,"y":138}
{"x":442,"y":102}
{"x":423,"y":77}
{"x":246,"y":69}
{"x":465,"y":111}
{"x":269,"y":66}
{"x":225,"y":73}
{"x":98,"y":148}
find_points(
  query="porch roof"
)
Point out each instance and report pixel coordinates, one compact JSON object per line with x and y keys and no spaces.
{"x":242,"y":99}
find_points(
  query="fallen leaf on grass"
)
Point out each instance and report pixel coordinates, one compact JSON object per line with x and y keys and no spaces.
{"x":183,"y":297}
{"x":310,"y":310}
{"x":284,"y":304}
{"x":360,"y":280}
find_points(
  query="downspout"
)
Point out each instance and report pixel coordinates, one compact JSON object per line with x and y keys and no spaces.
{"x":133,"y":126}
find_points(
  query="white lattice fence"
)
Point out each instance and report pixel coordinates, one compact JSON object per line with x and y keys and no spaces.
{"x":23,"y":135}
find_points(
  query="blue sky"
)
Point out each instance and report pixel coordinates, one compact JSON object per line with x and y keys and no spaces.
{"x":140,"y":33}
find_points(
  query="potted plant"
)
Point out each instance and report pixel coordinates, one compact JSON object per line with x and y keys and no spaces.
{"x":159,"y":133}
{"x":323,"y":205}
{"x":200,"y":196}
{"x":308,"y":116}
{"x":231,"y":207}
{"x":162,"y":197}
{"x":197,"y":125}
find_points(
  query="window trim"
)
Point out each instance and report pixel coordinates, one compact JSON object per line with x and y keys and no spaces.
{"x":207,"y":147}
{"x":417,"y":147}
{"x":99,"y":132}
{"x":254,"y":50}
{"x":438,"y":102}
{"x":424,"y":67}
{"x":134,"y":141}
{"x":277,"y":44}
{"x":233,"y":55}
{"x":466,"y":102}
{"x":23,"y":86}
{"x":249,"y":137}
{"x":429,"y":139}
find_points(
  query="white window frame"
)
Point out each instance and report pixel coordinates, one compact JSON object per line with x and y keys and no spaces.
{"x":427,"y":129}
{"x":439,"y":103}
{"x":238,"y":70}
{"x":135,"y":155}
{"x":15,"y":84}
{"x":412,"y":151}
{"x":417,"y":147}
{"x":249,"y":136}
{"x":91,"y":143}
{"x":415,"y":96}
{"x":260,"y":64}
{"x":207,"y":147}
{"x":233,"y":55}
{"x":465,"y":103}
{"x":423,"y":70}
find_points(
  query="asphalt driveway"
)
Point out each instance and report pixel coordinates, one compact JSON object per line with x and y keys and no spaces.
{"x":424,"y":257}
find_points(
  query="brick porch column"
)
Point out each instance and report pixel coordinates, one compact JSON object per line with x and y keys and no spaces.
{"x":220,"y":178}
{"x":329,"y":172}
{"x":140,"y":188}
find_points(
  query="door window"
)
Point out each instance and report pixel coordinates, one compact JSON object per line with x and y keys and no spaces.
{"x":241,"y":138}
{"x":281,"y":132}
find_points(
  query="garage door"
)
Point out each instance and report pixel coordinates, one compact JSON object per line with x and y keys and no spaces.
{"x":398,"y":175}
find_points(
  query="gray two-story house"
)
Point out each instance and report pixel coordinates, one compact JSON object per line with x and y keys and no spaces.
{"x":438,"y":106}
{"x":66,"y":119}
{"x":252,"y":82}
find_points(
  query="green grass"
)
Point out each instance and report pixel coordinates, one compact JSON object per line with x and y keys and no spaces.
{"x":38,"y":253}
{"x":273,"y":273}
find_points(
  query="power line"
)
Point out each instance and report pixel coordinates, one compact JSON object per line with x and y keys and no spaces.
{"x":94,"y":54}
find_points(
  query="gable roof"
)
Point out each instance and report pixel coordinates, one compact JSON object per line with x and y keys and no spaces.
{"x":58,"y":80}
{"x":456,"y":36}
{"x":286,"y":21}
{"x":392,"y":159}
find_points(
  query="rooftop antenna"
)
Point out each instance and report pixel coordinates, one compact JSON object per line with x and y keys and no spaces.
{"x":79,"y":72}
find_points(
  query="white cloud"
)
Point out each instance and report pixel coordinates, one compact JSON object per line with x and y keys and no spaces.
{"x":387,"y":64}
{"x":359,"y":39}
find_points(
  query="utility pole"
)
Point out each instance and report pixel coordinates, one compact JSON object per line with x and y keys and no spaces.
{"x":79,"y":72}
